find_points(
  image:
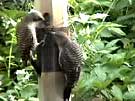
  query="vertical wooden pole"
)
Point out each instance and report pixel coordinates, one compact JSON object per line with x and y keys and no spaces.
{"x":51,"y":81}
{"x":57,"y":9}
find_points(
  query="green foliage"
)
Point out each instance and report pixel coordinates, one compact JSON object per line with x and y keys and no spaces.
{"x":105,"y":30}
{"x":15,"y":81}
{"x":21,"y":87}
{"x":102,"y":29}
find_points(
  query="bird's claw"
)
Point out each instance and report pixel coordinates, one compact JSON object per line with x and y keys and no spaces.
{"x":42,"y":42}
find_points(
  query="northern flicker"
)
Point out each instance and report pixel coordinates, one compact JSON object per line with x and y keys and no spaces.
{"x":27,"y":36}
{"x":70,"y":61}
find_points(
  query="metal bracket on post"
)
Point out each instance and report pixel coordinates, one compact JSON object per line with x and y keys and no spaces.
{"x":52,"y":80}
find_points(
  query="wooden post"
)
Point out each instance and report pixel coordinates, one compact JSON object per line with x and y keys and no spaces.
{"x":51,"y":81}
{"x":57,"y":9}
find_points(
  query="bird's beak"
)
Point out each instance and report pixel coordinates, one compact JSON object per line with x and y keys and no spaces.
{"x":42,"y":18}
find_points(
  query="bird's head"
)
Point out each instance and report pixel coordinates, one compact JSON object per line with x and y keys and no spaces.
{"x":33,"y":16}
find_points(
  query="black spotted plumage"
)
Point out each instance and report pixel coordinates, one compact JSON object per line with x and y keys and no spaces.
{"x":25,"y":41}
{"x":70,"y":60}
{"x":27,"y":36}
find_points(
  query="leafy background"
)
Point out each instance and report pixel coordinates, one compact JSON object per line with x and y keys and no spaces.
{"x":105,"y":30}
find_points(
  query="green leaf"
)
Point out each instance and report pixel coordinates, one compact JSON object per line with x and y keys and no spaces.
{"x":100,"y":73}
{"x":117,"y":30}
{"x":28,"y":90}
{"x":33,"y":99}
{"x":130,"y":2}
{"x":106,"y":93}
{"x":116,"y":59}
{"x":112,"y":43}
{"x":3,"y":99}
{"x":129,"y":95}
{"x":107,"y":50}
{"x":126,"y":42}
{"x":121,"y":4}
{"x":111,"y":24}
{"x":99,"y":44}
{"x":130,"y":54}
{"x":2,"y":59}
{"x":14,"y":14}
{"x":105,"y":33}
{"x":98,"y":16}
{"x":117,"y":93}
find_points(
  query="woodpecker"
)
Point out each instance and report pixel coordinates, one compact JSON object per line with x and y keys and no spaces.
{"x":70,"y":61}
{"x":26,"y":34}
